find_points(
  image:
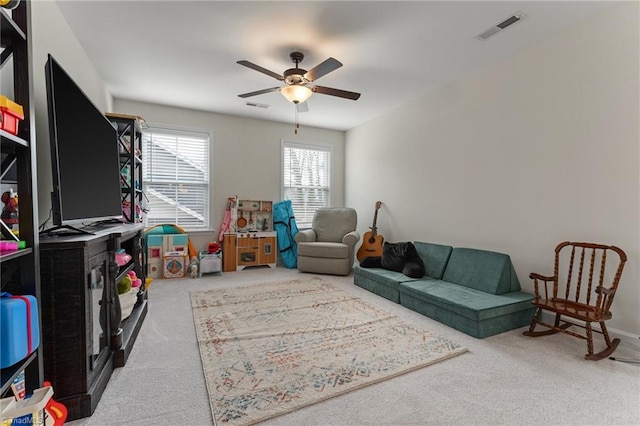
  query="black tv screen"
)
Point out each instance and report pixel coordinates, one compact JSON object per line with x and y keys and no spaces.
{"x":84,"y":154}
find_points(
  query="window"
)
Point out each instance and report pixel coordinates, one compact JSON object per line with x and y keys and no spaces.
{"x":306,"y":179}
{"x":176,"y":177}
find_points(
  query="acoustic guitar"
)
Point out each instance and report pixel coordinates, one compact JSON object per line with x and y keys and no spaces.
{"x":371,"y":241}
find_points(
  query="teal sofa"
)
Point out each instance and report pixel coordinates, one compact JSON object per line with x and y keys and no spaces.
{"x":474,"y":291}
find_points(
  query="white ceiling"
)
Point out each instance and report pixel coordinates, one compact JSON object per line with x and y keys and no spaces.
{"x":184,"y":53}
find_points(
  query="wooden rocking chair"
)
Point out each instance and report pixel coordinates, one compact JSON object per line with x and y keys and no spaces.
{"x":579,"y":298}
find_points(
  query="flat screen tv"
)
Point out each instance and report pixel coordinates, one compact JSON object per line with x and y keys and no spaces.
{"x":85,"y":160}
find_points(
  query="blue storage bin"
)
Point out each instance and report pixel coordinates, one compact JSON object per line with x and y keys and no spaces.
{"x":19,"y":328}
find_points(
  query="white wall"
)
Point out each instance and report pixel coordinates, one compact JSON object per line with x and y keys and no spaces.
{"x":52,"y":35}
{"x":245,"y":153}
{"x":529,"y":152}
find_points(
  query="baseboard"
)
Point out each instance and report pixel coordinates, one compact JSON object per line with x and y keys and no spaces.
{"x":627,"y":340}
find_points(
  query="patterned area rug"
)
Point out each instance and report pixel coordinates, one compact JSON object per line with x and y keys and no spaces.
{"x":273,"y":348}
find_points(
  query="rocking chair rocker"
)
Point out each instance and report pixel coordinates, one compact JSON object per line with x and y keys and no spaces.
{"x":579,"y":298}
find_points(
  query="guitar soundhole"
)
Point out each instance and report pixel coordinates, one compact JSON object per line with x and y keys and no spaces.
{"x":372,"y":240}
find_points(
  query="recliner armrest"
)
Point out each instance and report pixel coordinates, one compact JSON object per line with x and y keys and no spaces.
{"x":351,"y":238}
{"x":305,"y":236}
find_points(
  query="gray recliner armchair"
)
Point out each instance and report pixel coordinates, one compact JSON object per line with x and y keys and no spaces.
{"x":329,"y":246}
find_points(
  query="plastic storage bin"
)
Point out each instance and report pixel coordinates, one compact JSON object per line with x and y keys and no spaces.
{"x":19,"y":328}
{"x":11,"y":114}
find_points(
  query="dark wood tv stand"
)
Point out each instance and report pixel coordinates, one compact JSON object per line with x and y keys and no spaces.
{"x":82,"y":335}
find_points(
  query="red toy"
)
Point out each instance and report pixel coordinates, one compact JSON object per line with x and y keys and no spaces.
{"x":10,"y":211}
{"x":213,"y":248}
{"x":55,"y":411}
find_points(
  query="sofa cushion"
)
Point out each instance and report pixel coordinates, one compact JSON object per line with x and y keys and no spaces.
{"x":470,"y":303}
{"x":325,"y":250}
{"x":483,"y":270}
{"x":380,"y":281}
{"x":434,"y":257}
{"x":388,"y":278}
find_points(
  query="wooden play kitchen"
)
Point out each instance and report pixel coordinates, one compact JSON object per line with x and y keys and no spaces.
{"x":251,"y":240}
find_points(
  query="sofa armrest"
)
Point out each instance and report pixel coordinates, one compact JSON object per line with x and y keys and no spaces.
{"x":305,"y":236}
{"x":351,"y":239}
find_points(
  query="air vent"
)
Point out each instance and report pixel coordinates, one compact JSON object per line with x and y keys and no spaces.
{"x":257,"y":105}
{"x":492,"y":31}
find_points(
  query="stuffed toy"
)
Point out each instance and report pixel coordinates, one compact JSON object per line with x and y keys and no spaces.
{"x":10,"y":210}
{"x":193,"y":267}
{"x":398,"y":257}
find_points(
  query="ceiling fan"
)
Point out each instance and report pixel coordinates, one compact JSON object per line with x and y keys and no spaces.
{"x":297,"y":89}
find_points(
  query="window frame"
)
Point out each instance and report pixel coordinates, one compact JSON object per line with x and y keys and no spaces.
{"x":288,"y":143}
{"x":174,"y":130}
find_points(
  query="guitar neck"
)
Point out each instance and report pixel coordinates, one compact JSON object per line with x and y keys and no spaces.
{"x":374,"y":229}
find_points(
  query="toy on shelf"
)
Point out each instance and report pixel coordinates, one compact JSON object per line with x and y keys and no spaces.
{"x":124,"y":285}
{"x":128,"y":288}
{"x":9,"y":213}
{"x":135,"y":281}
{"x":11,"y":114}
{"x":11,"y":246}
{"x":9,"y":4}
{"x":122,"y":258}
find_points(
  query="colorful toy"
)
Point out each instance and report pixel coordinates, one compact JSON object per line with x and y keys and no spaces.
{"x":213,"y":248}
{"x":135,"y":281}
{"x":9,"y":4}
{"x":25,"y":411}
{"x":9,"y":213}
{"x":56,"y":412}
{"x":11,"y":246}
{"x":124,"y":285}
{"x":122,"y":258}
{"x":193,"y":267}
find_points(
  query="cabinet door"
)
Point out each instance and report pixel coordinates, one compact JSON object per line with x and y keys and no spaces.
{"x":229,"y":253}
{"x":267,"y":250}
{"x":97,"y":327}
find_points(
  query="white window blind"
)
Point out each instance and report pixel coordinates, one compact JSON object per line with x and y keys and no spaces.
{"x":176,"y":177}
{"x":306,"y":171}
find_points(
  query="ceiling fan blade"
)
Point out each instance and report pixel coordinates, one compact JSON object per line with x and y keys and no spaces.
{"x":336,"y":92}
{"x":324,"y":68}
{"x":302,"y":107}
{"x":259,"y":92}
{"x":260,"y":69}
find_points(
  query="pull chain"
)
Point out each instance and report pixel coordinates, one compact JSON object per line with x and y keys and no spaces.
{"x":297,"y":124}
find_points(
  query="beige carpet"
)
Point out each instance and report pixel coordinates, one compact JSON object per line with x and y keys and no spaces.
{"x":270,"y":349}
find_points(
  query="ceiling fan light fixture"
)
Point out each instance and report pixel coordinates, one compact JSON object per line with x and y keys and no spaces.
{"x":296,"y":93}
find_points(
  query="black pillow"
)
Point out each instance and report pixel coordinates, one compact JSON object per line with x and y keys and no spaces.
{"x":393,"y":256}
{"x":371,"y":262}
{"x":402,"y":257}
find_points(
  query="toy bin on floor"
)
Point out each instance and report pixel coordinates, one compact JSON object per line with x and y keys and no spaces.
{"x":19,"y":328}
{"x":174,"y":264}
{"x":209,"y":263}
